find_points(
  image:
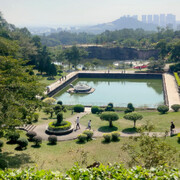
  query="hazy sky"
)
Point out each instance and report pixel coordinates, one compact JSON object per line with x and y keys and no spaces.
{"x":81,"y":12}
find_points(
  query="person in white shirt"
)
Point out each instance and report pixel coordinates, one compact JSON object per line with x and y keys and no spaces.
{"x":77,"y":123}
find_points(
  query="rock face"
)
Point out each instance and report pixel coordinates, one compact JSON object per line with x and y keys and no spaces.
{"x":117,"y":53}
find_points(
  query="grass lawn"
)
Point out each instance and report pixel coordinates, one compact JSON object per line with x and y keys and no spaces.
{"x":65,"y":154}
{"x":161,"y":122}
{"x":43,"y":78}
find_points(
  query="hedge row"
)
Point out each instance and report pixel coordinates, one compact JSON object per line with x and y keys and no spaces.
{"x":116,"y":171}
{"x":177,"y":78}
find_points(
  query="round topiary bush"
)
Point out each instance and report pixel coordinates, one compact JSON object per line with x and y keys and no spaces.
{"x":31,"y":135}
{"x":60,"y":102}
{"x":65,"y":125}
{"x":89,"y":134}
{"x":59,"y":118}
{"x":52,"y":139}
{"x":163,"y":109}
{"x":175,"y":107}
{"x":78,"y":108}
{"x":115,"y":135}
{"x":13,"y":136}
{"x":22,"y":142}
{"x":37,"y":140}
{"x":95,"y":109}
{"x":107,"y":137}
{"x":82,"y":138}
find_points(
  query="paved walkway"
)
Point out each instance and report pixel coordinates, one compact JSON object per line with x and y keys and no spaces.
{"x":40,"y":130}
{"x":172,"y":90}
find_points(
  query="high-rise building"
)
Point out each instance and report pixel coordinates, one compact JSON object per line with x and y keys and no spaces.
{"x":156,"y":19}
{"x":149,"y":19}
{"x":135,"y":17}
{"x":162,"y":20}
{"x":144,"y":20}
{"x":171,"y":20}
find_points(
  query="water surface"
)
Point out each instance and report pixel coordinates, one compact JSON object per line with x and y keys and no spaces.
{"x":140,"y":92}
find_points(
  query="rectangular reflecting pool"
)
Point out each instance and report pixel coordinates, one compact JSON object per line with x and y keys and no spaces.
{"x":140,"y":92}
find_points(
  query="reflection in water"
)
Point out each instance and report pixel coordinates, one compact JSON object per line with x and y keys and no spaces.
{"x":140,"y":92}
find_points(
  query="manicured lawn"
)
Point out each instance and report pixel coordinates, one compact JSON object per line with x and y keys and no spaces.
{"x":63,"y":155}
{"x":44,"y":78}
{"x":161,"y":122}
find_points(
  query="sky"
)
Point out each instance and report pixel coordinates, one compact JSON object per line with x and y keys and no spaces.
{"x":81,"y":12}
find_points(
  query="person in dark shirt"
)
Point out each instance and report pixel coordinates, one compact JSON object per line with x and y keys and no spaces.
{"x":172,"y":127}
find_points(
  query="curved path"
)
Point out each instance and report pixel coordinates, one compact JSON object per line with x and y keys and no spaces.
{"x":40,"y":130}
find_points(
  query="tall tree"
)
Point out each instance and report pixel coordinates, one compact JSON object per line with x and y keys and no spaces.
{"x":18,"y":92}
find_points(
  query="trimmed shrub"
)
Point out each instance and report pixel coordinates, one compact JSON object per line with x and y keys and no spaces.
{"x":65,"y":125}
{"x":163,"y":109}
{"x":60,"y":102}
{"x":13,"y":136}
{"x":82,"y":138}
{"x":130,"y":108}
{"x":177,"y":78}
{"x":78,"y":108}
{"x":1,"y":144}
{"x":31,"y":135}
{"x":107,"y":137}
{"x":89,"y":134}
{"x":109,"y":116}
{"x":37,"y":140}
{"x":52,"y":139}
{"x":115,"y":135}
{"x":36,"y":116}
{"x":57,"y":108}
{"x":175,"y":107}
{"x":95,"y":109}
{"x":59,"y":118}
{"x":22,"y":142}
{"x":109,"y":107}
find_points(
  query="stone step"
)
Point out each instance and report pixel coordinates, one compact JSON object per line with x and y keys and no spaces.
{"x":27,"y":127}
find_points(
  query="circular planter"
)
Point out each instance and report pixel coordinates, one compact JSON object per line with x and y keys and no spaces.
{"x":56,"y":131}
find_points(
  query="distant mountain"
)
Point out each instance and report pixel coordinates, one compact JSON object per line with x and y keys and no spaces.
{"x":121,"y":23}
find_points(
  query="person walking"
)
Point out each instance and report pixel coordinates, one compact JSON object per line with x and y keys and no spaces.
{"x":89,"y":125}
{"x":77,"y":123}
{"x":172,"y":127}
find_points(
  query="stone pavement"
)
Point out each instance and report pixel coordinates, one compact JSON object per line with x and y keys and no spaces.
{"x":172,"y":90}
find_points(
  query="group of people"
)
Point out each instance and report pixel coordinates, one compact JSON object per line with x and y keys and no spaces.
{"x":78,"y":124}
{"x":62,"y":78}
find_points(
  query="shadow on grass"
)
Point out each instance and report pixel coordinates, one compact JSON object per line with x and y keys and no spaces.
{"x":79,"y":142}
{"x":105,"y":142}
{"x":130,"y":130}
{"x":18,"y":148}
{"x":107,"y":129}
{"x":44,"y":118}
{"x":36,"y":146}
{"x":15,"y":160}
{"x":11,"y":142}
{"x":51,"y":144}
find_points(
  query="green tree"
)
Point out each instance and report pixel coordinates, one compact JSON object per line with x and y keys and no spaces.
{"x":109,"y":116}
{"x":18,"y":90}
{"x":74,"y":55}
{"x":151,"y":152}
{"x":134,"y":116}
{"x":175,"y":52}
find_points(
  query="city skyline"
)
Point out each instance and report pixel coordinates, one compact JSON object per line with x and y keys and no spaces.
{"x":81,"y":12}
